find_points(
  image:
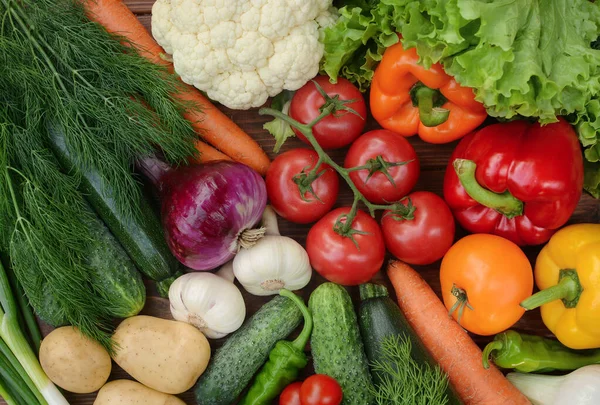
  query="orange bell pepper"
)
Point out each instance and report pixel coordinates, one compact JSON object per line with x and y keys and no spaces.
{"x":408,"y":99}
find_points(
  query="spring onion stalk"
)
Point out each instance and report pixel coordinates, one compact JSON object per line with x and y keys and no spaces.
{"x":26,"y":311}
{"x":579,"y":387}
{"x":6,"y":396}
{"x":21,"y":393}
{"x":46,"y":393}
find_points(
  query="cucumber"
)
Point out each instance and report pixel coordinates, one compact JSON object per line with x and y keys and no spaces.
{"x":142,"y":237}
{"x":336,"y":345}
{"x":245,"y":351}
{"x":380,"y":317}
{"x":114,"y":277}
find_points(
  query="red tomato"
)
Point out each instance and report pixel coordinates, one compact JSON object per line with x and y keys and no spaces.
{"x":291,"y":394}
{"x":284,"y":194}
{"x":392,"y":148}
{"x":320,"y":389}
{"x":332,"y":131}
{"x":424,"y":239}
{"x":337,"y":257}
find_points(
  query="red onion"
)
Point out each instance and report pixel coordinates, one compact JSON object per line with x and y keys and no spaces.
{"x":209,"y":210}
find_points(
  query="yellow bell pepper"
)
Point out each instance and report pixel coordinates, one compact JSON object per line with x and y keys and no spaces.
{"x":567,"y":272}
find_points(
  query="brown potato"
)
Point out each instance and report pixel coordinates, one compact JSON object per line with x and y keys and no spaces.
{"x":127,"y":392}
{"x":168,"y":356}
{"x":73,"y":361}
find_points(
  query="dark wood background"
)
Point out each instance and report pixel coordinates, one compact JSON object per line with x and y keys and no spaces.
{"x":433,"y":160}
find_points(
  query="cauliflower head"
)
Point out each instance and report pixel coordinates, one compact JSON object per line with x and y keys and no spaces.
{"x":240,"y":52}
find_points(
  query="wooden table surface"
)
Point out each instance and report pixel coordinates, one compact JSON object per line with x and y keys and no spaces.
{"x":433,"y":160}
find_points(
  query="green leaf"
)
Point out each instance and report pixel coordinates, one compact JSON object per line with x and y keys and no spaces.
{"x":591,"y":182}
{"x":280,"y":129}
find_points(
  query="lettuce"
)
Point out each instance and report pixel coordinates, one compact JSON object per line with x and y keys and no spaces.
{"x":523,"y":58}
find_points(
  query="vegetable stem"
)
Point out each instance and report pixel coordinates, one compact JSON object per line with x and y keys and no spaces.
{"x":489,"y":349}
{"x":306,"y":130}
{"x":8,"y":357}
{"x":568,"y":289}
{"x":425,"y":99}
{"x":4,"y":393}
{"x":302,"y":339}
{"x":505,"y":203}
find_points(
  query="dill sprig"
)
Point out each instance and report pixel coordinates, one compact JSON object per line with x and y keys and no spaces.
{"x":60,"y":70}
{"x":403,"y":381}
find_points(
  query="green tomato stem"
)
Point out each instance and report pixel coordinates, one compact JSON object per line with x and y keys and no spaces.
{"x":306,"y":130}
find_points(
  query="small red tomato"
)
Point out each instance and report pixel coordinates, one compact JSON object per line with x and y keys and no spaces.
{"x":392,"y":148}
{"x":332,"y":131}
{"x":346,"y":260}
{"x":291,"y":394}
{"x":320,"y":389}
{"x":284,"y":191}
{"x":424,"y":239}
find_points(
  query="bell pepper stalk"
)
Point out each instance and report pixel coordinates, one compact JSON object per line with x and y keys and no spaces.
{"x":284,"y":363}
{"x":343,"y":225}
{"x":567,"y":270}
{"x":535,"y":354}
{"x":519,"y":180}
{"x":408,"y":99}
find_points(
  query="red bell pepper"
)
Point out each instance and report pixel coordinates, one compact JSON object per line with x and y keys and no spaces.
{"x":518,"y":180}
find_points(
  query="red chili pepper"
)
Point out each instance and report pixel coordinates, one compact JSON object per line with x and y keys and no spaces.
{"x":518,"y":180}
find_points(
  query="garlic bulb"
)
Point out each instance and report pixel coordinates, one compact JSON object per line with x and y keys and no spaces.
{"x":273,"y":263}
{"x":210,"y":302}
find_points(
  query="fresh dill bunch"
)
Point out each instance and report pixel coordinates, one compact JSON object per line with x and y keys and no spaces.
{"x":60,"y":70}
{"x":403,"y":381}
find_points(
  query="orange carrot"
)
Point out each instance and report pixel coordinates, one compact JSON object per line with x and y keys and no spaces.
{"x":208,"y":153}
{"x":208,"y":121}
{"x":448,"y":343}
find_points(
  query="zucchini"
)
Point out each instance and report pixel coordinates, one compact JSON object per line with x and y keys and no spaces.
{"x":380,"y":317}
{"x":336,"y":345}
{"x":114,"y":277}
{"x":245,"y":351}
{"x":142,"y":236}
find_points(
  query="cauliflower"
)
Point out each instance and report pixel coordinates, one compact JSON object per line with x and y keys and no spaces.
{"x":240,"y":52}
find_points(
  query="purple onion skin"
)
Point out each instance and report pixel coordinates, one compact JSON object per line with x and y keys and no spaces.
{"x":206,"y":207}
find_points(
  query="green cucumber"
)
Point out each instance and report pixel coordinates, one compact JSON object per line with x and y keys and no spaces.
{"x":245,"y":351}
{"x":142,"y":237}
{"x":114,"y":277}
{"x":336,"y":344}
{"x":380,"y":317}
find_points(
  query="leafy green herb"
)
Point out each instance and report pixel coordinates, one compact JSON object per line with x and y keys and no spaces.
{"x":403,"y":380}
{"x":280,"y":129}
{"x":60,"y":69}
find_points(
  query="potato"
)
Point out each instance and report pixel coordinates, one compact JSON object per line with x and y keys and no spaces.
{"x":127,"y":392}
{"x":165,"y":355}
{"x":74,"y":362}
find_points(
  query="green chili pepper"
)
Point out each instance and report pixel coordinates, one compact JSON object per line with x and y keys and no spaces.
{"x":535,"y":354}
{"x":284,"y":364}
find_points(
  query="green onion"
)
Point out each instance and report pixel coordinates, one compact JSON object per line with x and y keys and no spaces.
{"x":45,"y":391}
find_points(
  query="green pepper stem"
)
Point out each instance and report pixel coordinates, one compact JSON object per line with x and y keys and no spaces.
{"x":306,"y":130}
{"x":429,"y":114}
{"x":568,"y":289}
{"x":489,"y":349}
{"x":302,"y":339}
{"x":505,"y":203}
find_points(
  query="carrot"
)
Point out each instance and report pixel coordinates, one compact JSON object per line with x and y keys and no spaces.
{"x":208,"y":153}
{"x":448,"y":343}
{"x":208,"y":121}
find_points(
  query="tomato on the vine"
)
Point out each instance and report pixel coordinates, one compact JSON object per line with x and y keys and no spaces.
{"x":382,"y":151}
{"x":288,"y":175}
{"x":427,"y":236}
{"x":320,"y":389}
{"x":291,"y":394}
{"x":349,"y":259}
{"x":340,"y":128}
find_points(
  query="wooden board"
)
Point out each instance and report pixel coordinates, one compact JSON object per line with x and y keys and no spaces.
{"x":433,"y":159}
